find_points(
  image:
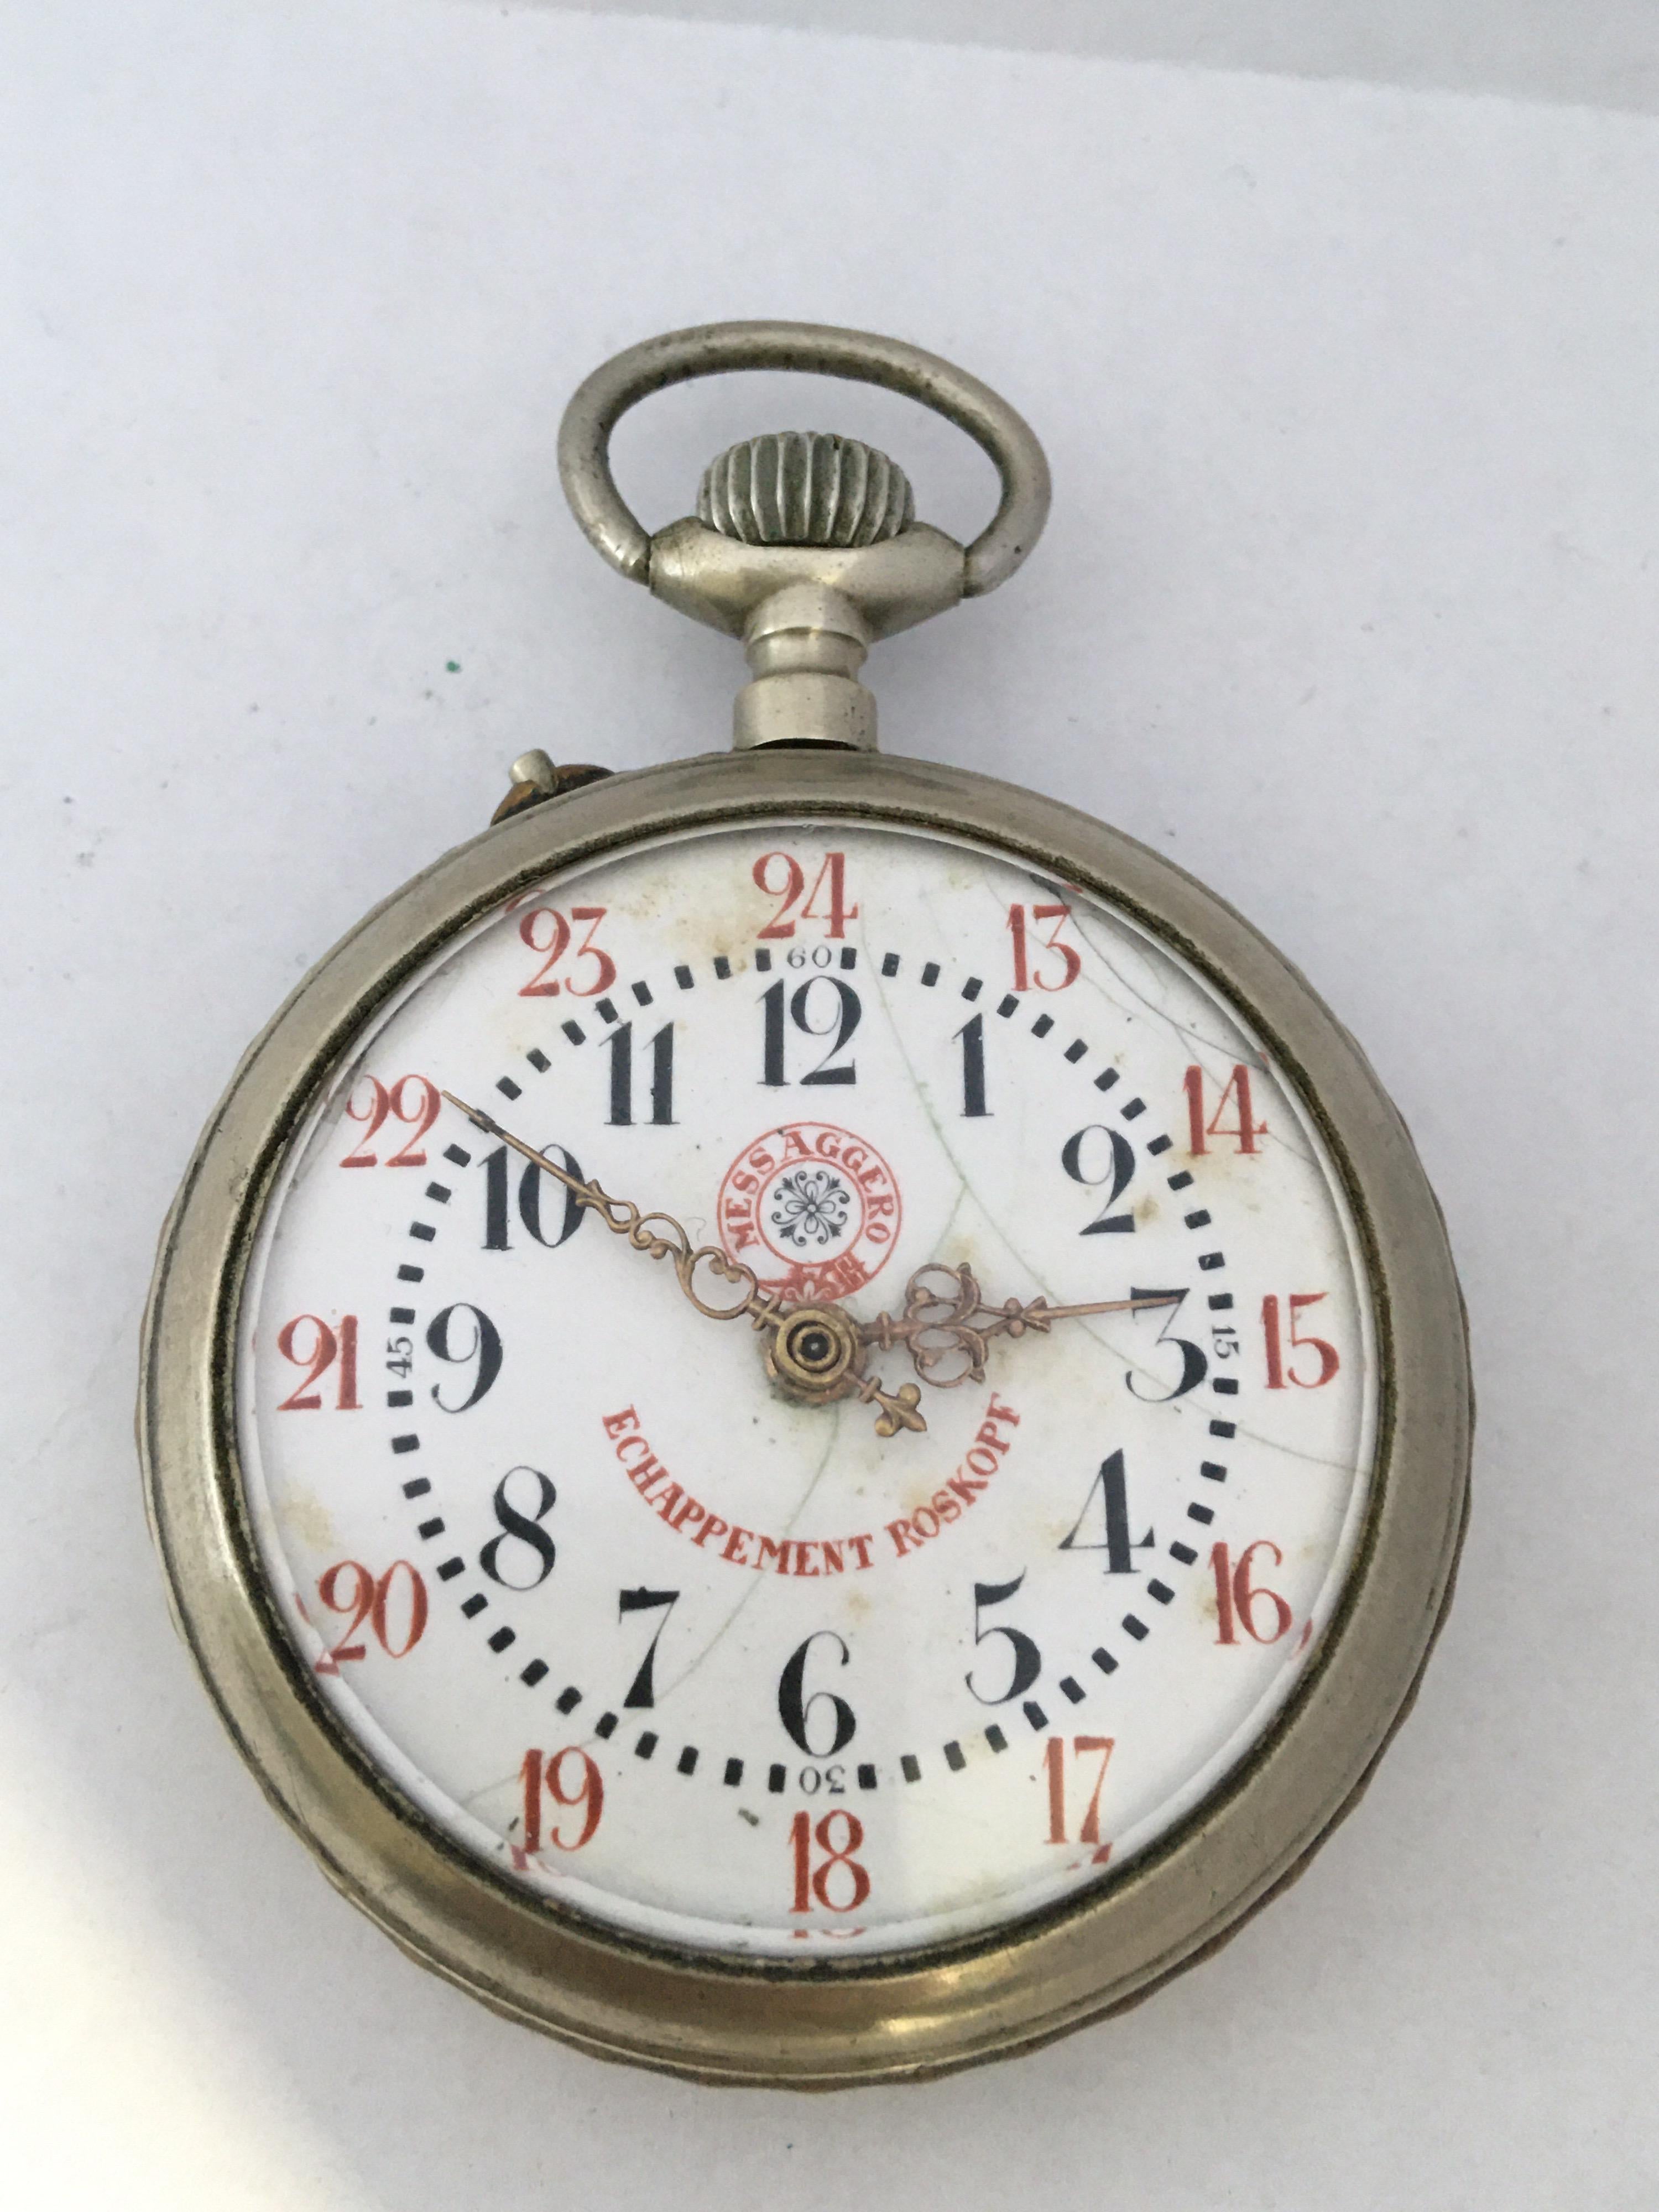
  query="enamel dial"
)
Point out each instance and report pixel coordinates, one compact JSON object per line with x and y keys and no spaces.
{"x":615,"y":1601}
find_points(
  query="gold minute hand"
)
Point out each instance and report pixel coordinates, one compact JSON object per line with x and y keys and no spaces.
{"x":656,"y":1235}
{"x":947,"y":1324}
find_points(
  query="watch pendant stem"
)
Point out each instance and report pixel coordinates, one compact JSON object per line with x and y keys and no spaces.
{"x":805,"y":645}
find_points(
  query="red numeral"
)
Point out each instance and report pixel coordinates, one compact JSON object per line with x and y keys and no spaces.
{"x":542,"y":1772}
{"x":1281,"y":1372}
{"x":375,"y":1109}
{"x":793,"y":883}
{"x":834,"y":873}
{"x":325,"y":1348}
{"x":1025,"y":979}
{"x":831,"y":881}
{"x":414,"y":1625}
{"x":371,"y":1601}
{"x":546,"y":931}
{"x":1245,"y":1127}
{"x":1054,"y":1753}
{"x":417,"y":1109}
{"x":1237,"y":1598}
{"x":421,"y":1113}
{"x":816,"y":1882}
{"x":553,"y":941}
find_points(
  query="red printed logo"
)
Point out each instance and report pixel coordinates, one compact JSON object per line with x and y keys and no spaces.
{"x":812,"y":1208}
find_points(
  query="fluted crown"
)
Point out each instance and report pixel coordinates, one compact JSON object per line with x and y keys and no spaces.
{"x":806,"y":488}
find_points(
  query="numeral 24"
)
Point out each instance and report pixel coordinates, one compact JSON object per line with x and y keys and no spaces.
{"x":830,"y":883}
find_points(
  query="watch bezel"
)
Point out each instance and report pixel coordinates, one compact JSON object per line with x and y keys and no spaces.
{"x":740,"y":2019}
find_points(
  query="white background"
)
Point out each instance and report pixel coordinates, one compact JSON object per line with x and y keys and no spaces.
{"x":1347,"y":603}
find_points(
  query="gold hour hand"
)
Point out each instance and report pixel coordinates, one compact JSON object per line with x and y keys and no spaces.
{"x":947,"y":1325}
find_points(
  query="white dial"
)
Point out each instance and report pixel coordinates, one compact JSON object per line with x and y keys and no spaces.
{"x":701,"y":1659}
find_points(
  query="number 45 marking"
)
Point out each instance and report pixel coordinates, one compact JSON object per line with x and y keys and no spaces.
{"x":1053,"y":1756}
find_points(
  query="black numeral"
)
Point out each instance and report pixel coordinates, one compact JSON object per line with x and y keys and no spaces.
{"x":1110,"y":1486}
{"x":845,"y":1015}
{"x":1027,"y":1659}
{"x":1193,"y":1364}
{"x":1117,"y":1166}
{"x":445,"y":1341}
{"x":796,"y":1709}
{"x":972,"y":1037}
{"x":522,"y":1530}
{"x":532,"y":1184}
{"x":620,"y":1045}
{"x":642,"y":1690}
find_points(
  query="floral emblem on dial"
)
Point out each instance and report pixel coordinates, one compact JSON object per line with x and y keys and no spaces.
{"x":812,"y":1207}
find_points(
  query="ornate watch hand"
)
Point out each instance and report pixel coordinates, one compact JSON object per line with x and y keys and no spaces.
{"x":939,"y":1324}
{"x":816,"y":1351}
{"x":624,"y":1219}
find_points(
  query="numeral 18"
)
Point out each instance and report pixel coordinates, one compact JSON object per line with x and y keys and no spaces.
{"x":821,"y":1882}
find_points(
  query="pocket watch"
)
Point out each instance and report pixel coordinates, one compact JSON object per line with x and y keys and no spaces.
{"x":807,"y":1414}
